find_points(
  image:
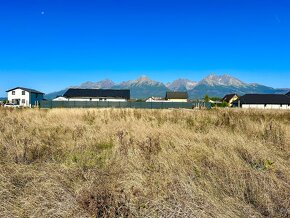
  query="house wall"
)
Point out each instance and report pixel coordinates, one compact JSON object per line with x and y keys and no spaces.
{"x":98,"y":99}
{"x":35,"y":98}
{"x":18,"y":96}
{"x":268,"y":106}
{"x":177,"y":100}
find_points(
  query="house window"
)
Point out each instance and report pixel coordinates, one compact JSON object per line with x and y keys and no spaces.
{"x":265,"y":105}
{"x":280,"y":105}
{"x":36,"y":95}
{"x":13,"y":92}
{"x":23,"y":92}
{"x":23,"y":101}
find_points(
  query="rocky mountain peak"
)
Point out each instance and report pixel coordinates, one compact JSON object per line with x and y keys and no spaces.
{"x":143,"y":78}
{"x":103,"y":84}
{"x":142,"y":81}
{"x":181,"y":84}
{"x":222,"y":80}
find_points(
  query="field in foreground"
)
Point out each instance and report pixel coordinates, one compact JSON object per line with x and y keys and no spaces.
{"x":144,"y":163}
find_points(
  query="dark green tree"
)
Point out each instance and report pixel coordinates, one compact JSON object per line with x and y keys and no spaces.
{"x":206,"y":98}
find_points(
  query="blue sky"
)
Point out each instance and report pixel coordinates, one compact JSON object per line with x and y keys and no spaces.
{"x":51,"y":44}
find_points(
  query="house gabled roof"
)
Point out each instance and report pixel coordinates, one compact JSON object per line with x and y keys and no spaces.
{"x":26,"y":89}
{"x":264,"y":99}
{"x":227,"y":98}
{"x":97,"y":93}
{"x":176,"y":95}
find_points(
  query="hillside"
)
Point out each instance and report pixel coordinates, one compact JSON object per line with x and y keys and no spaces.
{"x":213,"y":85}
{"x":55,"y":94}
{"x":144,"y":163}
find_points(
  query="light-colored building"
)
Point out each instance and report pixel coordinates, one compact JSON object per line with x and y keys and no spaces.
{"x":24,"y":97}
{"x":60,"y":98}
{"x":263,"y":101}
{"x":215,"y":102}
{"x":112,"y":95}
{"x":176,"y":96}
{"x":230,"y":99}
{"x":156,"y":99}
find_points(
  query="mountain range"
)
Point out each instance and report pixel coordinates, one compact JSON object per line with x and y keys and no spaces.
{"x":212,"y":85}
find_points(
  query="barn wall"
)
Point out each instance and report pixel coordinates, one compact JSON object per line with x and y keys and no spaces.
{"x":268,"y":106}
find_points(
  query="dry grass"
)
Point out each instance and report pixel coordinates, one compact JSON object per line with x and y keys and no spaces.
{"x":144,"y":163}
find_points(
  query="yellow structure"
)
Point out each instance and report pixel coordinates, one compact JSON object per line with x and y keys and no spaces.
{"x":230,"y":99}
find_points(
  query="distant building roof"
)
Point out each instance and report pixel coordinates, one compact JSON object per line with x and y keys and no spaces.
{"x":176,"y":95}
{"x":26,"y":89}
{"x":229,"y":97}
{"x":264,"y":99}
{"x":97,"y":93}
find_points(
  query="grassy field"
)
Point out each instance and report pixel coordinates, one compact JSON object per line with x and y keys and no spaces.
{"x":144,"y":163}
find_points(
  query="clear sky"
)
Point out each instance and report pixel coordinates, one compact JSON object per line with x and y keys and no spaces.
{"x":51,"y":44}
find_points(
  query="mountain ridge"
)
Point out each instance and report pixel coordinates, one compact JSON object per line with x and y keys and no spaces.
{"x":212,"y":85}
{"x":181,"y":84}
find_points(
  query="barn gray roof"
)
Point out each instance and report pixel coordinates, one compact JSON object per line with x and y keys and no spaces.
{"x":97,"y":93}
{"x":26,"y":89}
{"x":176,"y":95}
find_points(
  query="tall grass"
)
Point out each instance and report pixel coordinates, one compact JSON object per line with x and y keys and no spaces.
{"x":144,"y":163}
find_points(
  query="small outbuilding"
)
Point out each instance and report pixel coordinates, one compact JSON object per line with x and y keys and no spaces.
{"x":176,"y":96}
{"x":60,"y":98}
{"x":24,"y":97}
{"x":155,"y":99}
{"x":122,"y":95}
{"x":263,"y":101}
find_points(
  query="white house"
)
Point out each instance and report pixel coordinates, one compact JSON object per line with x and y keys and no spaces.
{"x":24,"y":97}
{"x":112,"y":95}
{"x":263,"y":101}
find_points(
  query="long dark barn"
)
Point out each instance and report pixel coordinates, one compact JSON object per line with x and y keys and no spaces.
{"x":97,"y":94}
